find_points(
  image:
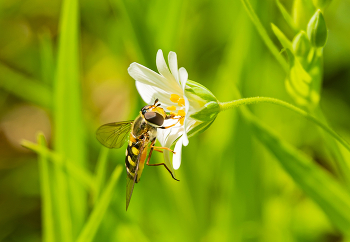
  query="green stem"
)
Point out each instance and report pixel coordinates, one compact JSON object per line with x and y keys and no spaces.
{"x":252,"y":100}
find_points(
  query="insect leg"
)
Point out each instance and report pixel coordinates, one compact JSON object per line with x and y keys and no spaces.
{"x":157,"y":148}
{"x":158,"y":164}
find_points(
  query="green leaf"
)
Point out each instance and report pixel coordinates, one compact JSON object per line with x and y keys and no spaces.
{"x":315,"y":182}
{"x":89,"y":231}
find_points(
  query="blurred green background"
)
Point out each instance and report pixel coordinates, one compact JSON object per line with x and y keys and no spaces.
{"x":231,"y":187}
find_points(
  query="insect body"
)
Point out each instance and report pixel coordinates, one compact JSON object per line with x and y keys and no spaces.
{"x":142,"y":134}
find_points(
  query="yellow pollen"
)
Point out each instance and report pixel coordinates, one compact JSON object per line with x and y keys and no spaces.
{"x":181,"y":102}
{"x":130,"y":143}
{"x":181,"y":113}
{"x":171,"y":108}
{"x":135,"y":151}
{"x":174,"y":98}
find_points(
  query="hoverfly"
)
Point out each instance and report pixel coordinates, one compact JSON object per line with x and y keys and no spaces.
{"x":142,"y":134}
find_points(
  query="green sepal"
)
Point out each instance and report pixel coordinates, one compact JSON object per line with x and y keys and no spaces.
{"x":200,"y":128}
{"x":207,"y":113}
{"x":317,"y":30}
{"x":200,"y":91}
{"x":301,"y":44}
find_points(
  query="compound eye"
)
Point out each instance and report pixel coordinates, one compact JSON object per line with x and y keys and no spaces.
{"x":145,"y":108}
{"x":154,"y":118}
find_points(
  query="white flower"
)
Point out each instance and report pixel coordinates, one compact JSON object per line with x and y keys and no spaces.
{"x":177,"y":95}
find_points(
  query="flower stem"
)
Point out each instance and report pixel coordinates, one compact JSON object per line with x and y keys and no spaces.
{"x":252,"y":100}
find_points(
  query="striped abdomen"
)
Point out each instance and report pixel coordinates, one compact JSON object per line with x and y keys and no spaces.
{"x":131,"y":161}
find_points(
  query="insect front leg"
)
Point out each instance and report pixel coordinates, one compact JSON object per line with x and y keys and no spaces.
{"x":159,"y":164}
{"x":178,"y":120}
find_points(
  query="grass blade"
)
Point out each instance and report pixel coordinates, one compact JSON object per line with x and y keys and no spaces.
{"x":101,"y":169}
{"x":315,"y":182}
{"x":100,"y":208}
{"x":84,"y":177}
{"x":46,"y":193}
{"x":69,"y":129}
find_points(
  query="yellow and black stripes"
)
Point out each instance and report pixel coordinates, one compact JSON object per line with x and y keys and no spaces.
{"x":131,"y":160}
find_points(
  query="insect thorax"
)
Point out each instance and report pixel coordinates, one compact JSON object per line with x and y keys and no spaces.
{"x":142,"y":127}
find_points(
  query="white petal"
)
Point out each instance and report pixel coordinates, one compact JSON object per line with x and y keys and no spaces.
{"x":169,"y":141}
{"x":177,"y":155}
{"x":143,"y":74}
{"x":151,"y":93}
{"x":183,"y":77}
{"x":167,"y":137}
{"x":162,"y":67}
{"x":172,"y":59}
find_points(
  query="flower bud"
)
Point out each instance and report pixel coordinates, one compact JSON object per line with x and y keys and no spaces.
{"x":317,"y":30}
{"x":204,"y":101}
{"x":301,"y":44}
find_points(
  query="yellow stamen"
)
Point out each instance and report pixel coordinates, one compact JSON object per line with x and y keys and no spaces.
{"x":181,"y":113}
{"x":171,"y":108}
{"x":182,"y":121}
{"x":181,"y":102}
{"x":174,"y":98}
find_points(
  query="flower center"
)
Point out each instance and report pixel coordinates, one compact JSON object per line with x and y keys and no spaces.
{"x":179,"y":104}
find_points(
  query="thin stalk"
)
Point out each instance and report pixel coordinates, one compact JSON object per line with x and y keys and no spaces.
{"x":46,"y":193}
{"x":253,"y":100}
{"x":264,"y":35}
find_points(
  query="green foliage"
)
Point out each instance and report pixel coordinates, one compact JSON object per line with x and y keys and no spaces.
{"x":267,"y":173}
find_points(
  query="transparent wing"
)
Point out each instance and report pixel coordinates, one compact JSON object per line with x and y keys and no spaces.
{"x":131,"y":182}
{"x":114,"y":135}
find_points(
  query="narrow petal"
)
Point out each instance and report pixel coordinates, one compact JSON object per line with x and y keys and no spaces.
{"x":183,"y":77}
{"x":147,"y":76}
{"x":162,"y":66}
{"x":177,"y":155}
{"x":150,"y":93}
{"x":172,"y":59}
